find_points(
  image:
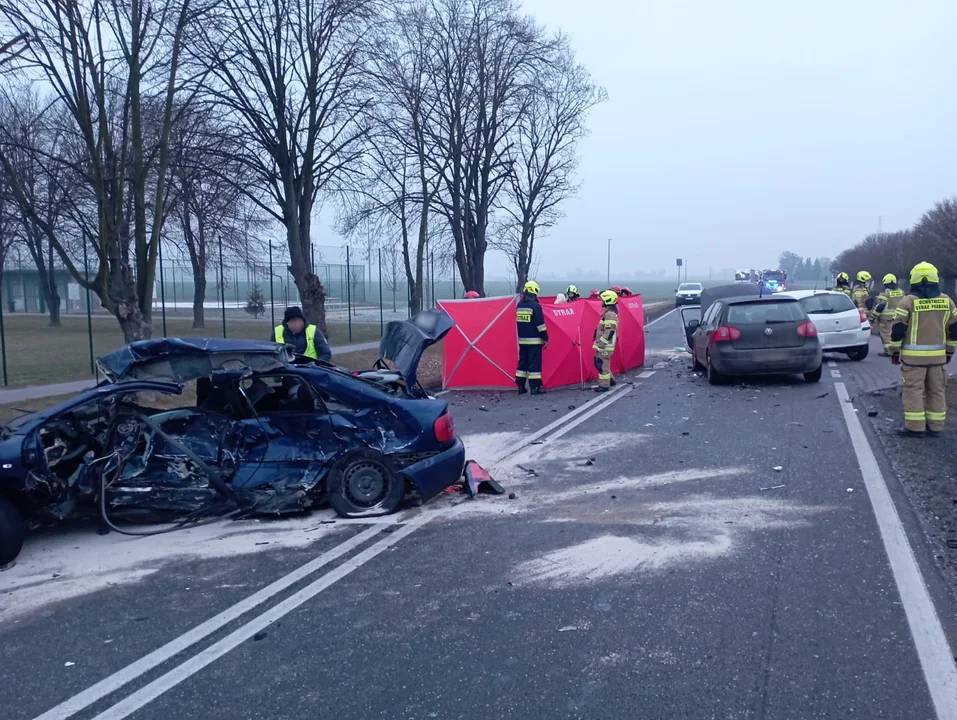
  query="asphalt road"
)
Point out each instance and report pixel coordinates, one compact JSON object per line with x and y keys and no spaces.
{"x":674,"y":550}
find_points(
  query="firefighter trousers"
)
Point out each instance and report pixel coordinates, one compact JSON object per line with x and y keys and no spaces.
{"x":884,"y":329}
{"x":925,"y":397}
{"x":529,"y":366}
{"x":603,"y":365}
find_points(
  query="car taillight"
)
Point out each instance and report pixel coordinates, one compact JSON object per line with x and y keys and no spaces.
{"x":807,"y":330}
{"x":444,"y":428}
{"x":863,"y":316}
{"x":726,"y":333}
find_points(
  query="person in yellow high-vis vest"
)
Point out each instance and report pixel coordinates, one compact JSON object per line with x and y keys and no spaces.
{"x":305,"y":339}
{"x":923,"y":341}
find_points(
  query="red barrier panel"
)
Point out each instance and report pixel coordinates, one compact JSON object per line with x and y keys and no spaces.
{"x":564,"y":358}
{"x":482,"y":349}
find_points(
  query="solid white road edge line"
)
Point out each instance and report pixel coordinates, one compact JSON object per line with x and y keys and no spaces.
{"x":114,"y":682}
{"x":933,"y":650}
{"x":659,"y":319}
{"x":136,"y":669}
{"x":647,"y":374}
{"x":196,"y":663}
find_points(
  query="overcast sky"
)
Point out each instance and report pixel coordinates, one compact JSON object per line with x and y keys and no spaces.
{"x":736,"y":129}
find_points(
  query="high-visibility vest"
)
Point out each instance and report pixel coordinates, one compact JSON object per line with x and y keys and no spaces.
{"x":310,"y":340}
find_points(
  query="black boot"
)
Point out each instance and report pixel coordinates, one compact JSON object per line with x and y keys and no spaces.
{"x":601,"y":389}
{"x":538,"y":390}
{"x":904,"y":432}
{"x":521,"y":386}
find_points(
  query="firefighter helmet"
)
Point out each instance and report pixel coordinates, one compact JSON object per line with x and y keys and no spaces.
{"x":609,"y":297}
{"x":615,"y":289}
{"x":890,"y":279}
{"x":571,"y":290}
{"x":924,"y":272}
{"x":471,"y":295}
{"x":863,"y":276}
{"x":594,"y":294}
{"x":843,"y":276}
{"x":532,"y":287}
{"x":625,"y":291}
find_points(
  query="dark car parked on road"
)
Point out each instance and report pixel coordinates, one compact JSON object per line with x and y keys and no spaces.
{"x":266,"y":435}
{"x":756,"y":336}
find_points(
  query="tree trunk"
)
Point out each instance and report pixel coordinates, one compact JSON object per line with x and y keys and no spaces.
{"x":313,"y":295}
{"x":53,"y":297}
{"x":199,"y":298}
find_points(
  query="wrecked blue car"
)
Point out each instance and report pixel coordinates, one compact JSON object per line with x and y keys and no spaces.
{"x":268,"y":433}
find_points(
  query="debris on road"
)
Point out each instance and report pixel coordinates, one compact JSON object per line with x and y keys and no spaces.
{"x":822,"y":395}
{"x":772,"y":487}
{"x":872,"y":413}
{"x":483,"y":408}
{"x":850,"y":489}
{"x":569,"y":628}
{"x":778,"y":468}
{"x":512,"y":496}
{"x":478,"y":480}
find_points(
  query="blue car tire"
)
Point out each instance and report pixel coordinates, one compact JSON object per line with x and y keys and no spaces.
{"x":362,"y":484}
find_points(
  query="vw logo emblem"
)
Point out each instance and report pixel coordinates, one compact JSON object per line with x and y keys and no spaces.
{"x":768,"y":331}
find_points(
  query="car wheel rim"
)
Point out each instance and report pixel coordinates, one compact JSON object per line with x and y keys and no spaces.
{"x":366,"y":484}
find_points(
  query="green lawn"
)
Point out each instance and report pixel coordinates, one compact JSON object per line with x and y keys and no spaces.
{"x":38,"y":354}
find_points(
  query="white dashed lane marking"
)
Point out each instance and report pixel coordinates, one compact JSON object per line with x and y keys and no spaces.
{"x":835,"y":373}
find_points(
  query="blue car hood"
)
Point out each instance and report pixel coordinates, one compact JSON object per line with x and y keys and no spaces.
{"x":180,"y":360}
{"x":405,"y":340}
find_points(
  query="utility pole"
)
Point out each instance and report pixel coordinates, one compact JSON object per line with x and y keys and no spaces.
{"x":608,"y":278}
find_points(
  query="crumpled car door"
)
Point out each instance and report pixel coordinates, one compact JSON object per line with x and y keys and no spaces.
{"x":294,"y":450}
{"x":171,"y":460}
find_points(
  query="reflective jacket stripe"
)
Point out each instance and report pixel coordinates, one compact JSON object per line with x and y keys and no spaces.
{"x":530,"y":341}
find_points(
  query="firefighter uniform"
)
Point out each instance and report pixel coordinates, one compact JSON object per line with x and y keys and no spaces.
{"x":843,"y":284}
{"x":860,"y":294}
{"x":885,"y":310}
{"x":532,"y":339}
{"x":606,"y":334}
{"x":923,"y":340}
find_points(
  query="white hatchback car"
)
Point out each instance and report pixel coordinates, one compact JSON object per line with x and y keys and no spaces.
{"x":841,"y":326}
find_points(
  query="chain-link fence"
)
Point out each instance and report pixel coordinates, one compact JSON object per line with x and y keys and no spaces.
{"x":238,"y":298}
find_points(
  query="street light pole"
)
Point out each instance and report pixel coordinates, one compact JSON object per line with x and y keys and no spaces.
{"x":608,"y":278}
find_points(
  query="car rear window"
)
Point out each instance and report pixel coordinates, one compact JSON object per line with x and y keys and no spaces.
{"x":826,"y":304}
{"x":764,"y":313}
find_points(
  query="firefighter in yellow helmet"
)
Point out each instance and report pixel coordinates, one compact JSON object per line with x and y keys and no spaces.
{"x":860,"y":294}
{"x":532,"y":339}
{"x":885,"y":310}
{"x":843,"y":284}
{"x":923,"y":341}
{"x":606,"y":334}
{"x":572,"y":294}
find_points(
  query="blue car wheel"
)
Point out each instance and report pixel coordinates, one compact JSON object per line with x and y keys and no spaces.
{"x":361,"y":484}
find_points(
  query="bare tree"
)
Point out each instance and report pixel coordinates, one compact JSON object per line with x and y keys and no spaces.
{"x":403,"y":172}
{"x":288,"y":74}
{"x":392,"y":270}
{"x":206,"y":206}
{"x":114,"y":65}
{"x":543,"y":155}
{"x":484,"y":57}
{"x":36,"y":167}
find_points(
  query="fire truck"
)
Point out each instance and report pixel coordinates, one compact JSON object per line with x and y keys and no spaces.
{"x":774,"y":280}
